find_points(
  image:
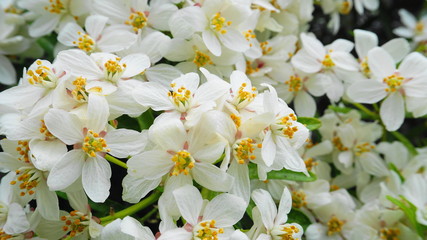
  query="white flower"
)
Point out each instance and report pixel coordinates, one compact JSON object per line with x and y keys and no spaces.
{"x":13,"y":218}
{"x":126,"y":229}
{"x":333,"y":64}
{"x":98,"y":38}
{"x":28,"y":181}
{"x":52,"y":14}
{"x":180,"y":153}
{"x":274,"y":226}
{"x":392,"y":84}
{"x":371,"y":5}
{"x":213,"y":220}
{"x":412,"y":28}
{"x":91,"y":143}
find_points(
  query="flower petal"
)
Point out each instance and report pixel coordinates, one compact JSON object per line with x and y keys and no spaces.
{"x":189,"y":202}
{"x":96,"y":176}
{"x":266,"y":206}
{"x":67,"y":170}
{"x":211,"y":177}
{"x":392,"y":111}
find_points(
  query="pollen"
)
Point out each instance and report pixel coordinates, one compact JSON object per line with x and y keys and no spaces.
{"x":393,"y":81}
{"x":56,"y":6}
{"x":183,"y":163}
{"x":266,"y":49}
{"x":287,"y":127}
{"x":336,"y":141}
{"x":207,"y":230}
{"x":93,"y":143}
{"x":390,"y":233}
{"x":244,"y":96}
{"x":72,"y":223}
{"x":113,"y":69}
{"x":27,"y":178}
{"x":43,"y":130}
{"x":250,"y":68}
{"x":345,"y":7}
{"x":285,"y":232}
{"x":249,"y":35}
{"x":310,"y":163}
{"x":42,"y":76}
{"x":294,"y":83}
{"x":201,"y":59}
{"x":218,"y":23}
{"x":362,"y":148}
{"x":181,"y":97}
{"x":243,"y":150}
{"x":138,"y":20}
{"x":419,"y":27}
{"x":365,"y":67}
{"x":23,"y":150}
{"x":79,"y":93}
{"x":5,"y":236}
{"x":298,"y":199}
{"x":85,"y":43}
{"x":236,"y":119}
{"x":334,"y":225}
{"x":327,"y":62}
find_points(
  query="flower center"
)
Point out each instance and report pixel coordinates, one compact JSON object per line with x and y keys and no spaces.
{"x":243,"y":150}
{"x":393,"y":81}
{"x":345,"y":7}
{"x":23,"y":149}
{"x":294,"y":83}
{"x":85,"y":42}
{"x":56,"y":6}
{"x":93,"y":143}
{"x":244,"y":96}
{"x":13,"y":9}
{"x":79,"y":93}
{"x":390,"y":233}
{"x":285,"y":232}
{"x":42,"y":76}
{"x":181,"y":97}
{"x":236,"y":119}
{"x":207,"y":230}
{"x":365,"y":67}
{"x":334,"y":225}
{"x":114,"y":69}
{"x":298,"y":199}
{"x":310,"y":163}
{"x":286,"y":125}
{"x":5,"y":236}
{"x":419,"y":27}
{"x":28,"y":178}
{"x":75,"y":223}
{"x":137,"y":20}
{"x":251,"y":68}
{"x":43,"y":130}
{"x":327,"y":62}
{"x":183,"y":163}
{"x":265,"y":48}
{"x":338,"y":144}
{"x":249,"y":35}
{"x":201,"y":59}
{"x":218,"y":23}
{"x":363,"y":147}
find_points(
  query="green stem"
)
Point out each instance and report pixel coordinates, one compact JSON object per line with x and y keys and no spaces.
{"x":405,"y":142}
{"x":132,"y":209}
{"x":148,"y":215}
{"x":365,"y":110}
{"x":116,"y":161}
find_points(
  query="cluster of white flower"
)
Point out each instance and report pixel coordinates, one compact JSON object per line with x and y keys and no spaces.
{"x":207,"y":84}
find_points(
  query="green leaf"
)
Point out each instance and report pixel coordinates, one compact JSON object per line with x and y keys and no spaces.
{"x":283,"y":174}
{"x":410,"y":211}
{"x":393,"y":167}
{"x":146,"y":119}
{"x":296,"y":216}
{"x":339,"y":109}
{"x":310,"y":123}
